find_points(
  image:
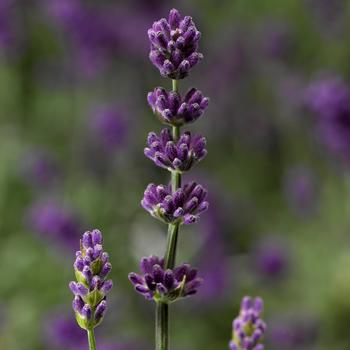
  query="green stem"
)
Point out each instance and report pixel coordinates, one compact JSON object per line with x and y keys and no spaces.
{"x":162,"y":326}
{"x":175,"y":84}
{"x":170,"y":255}
{"x":162,"y":309}
{"x":91,"y":338}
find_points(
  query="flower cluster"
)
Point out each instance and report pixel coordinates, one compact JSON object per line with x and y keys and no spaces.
{"x":174,"y":45}
{"x":182,"y":206}
{"x":329,"y":100}
{"x":178,"y":155}
{"x":175,"y":110}
{"x":248,"y":327}
{"x":91,"y":269}
{"x":166,"y":286}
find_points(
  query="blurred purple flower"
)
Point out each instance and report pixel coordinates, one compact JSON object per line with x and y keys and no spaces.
{"x":300,"y":190}
{"x":109,"y":128}
{"x":62,"y":332}
{"x":213,"y":262}
{"x":95,"y":38}
{"x":54,"y":222}
{"x":39,"y":168}
{"x":277,"y":40}
{"x":6,"y":23}
{"x":329,"y":100}
{"x":328,"y":14}
{"x":292,"y":332}
{"x":271,"y":257}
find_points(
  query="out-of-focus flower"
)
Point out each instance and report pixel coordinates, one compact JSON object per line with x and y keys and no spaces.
{"x":277,"y":40}
{"x":300,"y":190}
{"x":54,"y":222}
{"x":109,"y":128}
{"x":62,"y":332}
{"x":95,"y":39}
{"x":291,"y":332}
{"x":178,"y":155}
{"x":39,"y":168}
{"x":174,"y":45}
{"x":173,"y":109}
{"x":248,"y":327}
{"x":183,"y":206}
{"x":91,"y":269}
{"x":328,"y":14}
{"x":271,"y":257}
{"x":329,"y":100}
{"x":212,"y":260}
{"x":6,"y":23}
{"x":166,"y":286}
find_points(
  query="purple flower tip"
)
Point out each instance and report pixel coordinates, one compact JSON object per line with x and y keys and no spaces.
{"x":173,"y":109}
{"x":166,"y":285}
{"x":183,"y":206}
{"x":174,"y":45}
{"x":248,"y":327}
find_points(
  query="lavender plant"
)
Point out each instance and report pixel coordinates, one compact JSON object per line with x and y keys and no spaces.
{"x":248,"y":327}
{"x":174,"y":51}
{"x":91,"y":268}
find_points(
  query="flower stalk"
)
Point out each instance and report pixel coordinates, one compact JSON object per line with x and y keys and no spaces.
{"x":174,"y":51}
{"x":91,"y":339}
{"x":162,"y":309}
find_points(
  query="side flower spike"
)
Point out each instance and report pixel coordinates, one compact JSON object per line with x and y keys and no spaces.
{"x":183,"y":206}
{"x":91,"y":268}
{"x":248,"y":327}
{"x":156,"y":283}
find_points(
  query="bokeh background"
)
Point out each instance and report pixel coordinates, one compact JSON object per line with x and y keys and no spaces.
{"x":74,"y":75}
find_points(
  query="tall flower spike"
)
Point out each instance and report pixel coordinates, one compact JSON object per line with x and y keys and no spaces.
{"x":178,"y":155}
{"x":91,"y":268}
{"x":166,"y":286}
{"x":172,"y":109}
{"x":174,"y":45}
{"x":181,"y":207}
{"x":248,"y":327}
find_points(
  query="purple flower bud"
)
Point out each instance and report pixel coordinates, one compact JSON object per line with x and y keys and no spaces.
{"x":106,"y":287}
{"x":86,"y":311}
{"x":100,"y":311}
{"x":165,"y":285}
{"x":177,"y":39}
{"x":78,"y":304}
{"x":107,"y":267}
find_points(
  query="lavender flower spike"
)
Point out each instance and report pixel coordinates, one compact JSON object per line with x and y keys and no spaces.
{"x":172,"y":109}
{"x":91,"y":269}
{"x":173,"y":155}
{"x":180,"y":207}
{"x":248,"y":327}
{"x":165,"y":286}
{"x":174,"y":45}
